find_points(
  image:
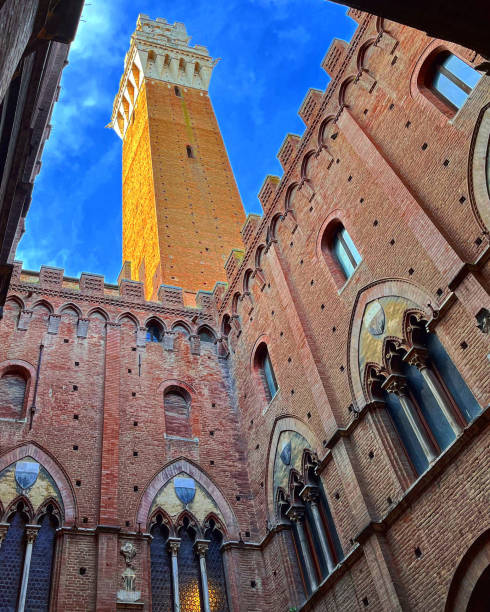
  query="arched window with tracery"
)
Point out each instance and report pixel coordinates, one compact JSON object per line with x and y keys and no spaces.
{"x":12,"y":558}
{"x":218,"y":601}
{"x":265,"y":371}
{"x":301,"y":503}
{"x":38,"y":586}
{"x":13,"y":387}
{"x":161,"y":571}
{"x":190,"y":591}
{"x":426,"y":397}
{"x":177,"y":407}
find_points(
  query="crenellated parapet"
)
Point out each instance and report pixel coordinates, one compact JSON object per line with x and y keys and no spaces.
{"x":159,"y":51}
{"x":50,"y":283}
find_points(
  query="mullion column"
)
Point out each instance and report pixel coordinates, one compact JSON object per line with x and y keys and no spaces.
{"x":311,"y":495}
{"x":296,"y":514}
{"x":398,"y":385}
{"x":31,"y":533}
{"x":174,"y":545}
{"x":418,"y":358}
{"x":201,"y":547}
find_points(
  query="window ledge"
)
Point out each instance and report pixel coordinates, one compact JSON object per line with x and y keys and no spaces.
{"x":12,"y":420}
{"x":347,"y":282}
{"x":169,"y":437}
{"x":271,"y":401}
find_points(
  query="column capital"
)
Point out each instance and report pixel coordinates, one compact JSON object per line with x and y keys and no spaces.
{"x":201,"y":547}
{"x":296,"y":513}
{"x":310,"y":494}
{"x":174,"y":545}
{"x":4,"y":527}
{"x":396,"y":384}
{"x":417,"y":356}
{"x":31,"y":533}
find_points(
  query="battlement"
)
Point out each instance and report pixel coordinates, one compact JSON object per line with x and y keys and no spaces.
{"x":158,"y":51}
{"x":50,"y":279}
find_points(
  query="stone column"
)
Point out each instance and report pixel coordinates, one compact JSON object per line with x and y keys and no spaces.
{"x":31,"y":533}
{"x":201,"y":547}
{"x":174,"y":545}
{"x":397,"y":384}
{"x":418,"y":358}
{"x":296,"y":514}
{"x":310,"y":495}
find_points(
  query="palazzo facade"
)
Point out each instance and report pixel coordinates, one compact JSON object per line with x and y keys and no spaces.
{"x":281,"y":412}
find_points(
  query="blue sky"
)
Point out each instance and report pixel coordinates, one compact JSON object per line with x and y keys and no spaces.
{"x":271,"y":52}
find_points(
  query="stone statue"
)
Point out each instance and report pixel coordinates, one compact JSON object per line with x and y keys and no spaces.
{"x":128,"y":593}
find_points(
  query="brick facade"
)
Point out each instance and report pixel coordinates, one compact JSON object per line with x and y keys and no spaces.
{"x":400,"y":176}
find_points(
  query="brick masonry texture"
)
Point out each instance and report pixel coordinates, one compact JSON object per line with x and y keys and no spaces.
{"x":100,"y":387}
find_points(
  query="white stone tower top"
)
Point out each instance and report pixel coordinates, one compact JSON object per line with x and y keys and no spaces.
{"x":159,"y":51}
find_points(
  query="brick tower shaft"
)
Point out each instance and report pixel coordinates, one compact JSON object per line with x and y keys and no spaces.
{"x":182,"y":212}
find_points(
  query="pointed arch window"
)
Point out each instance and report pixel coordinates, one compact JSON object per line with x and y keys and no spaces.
{"x":13,"y":386}
{"x":177,"y":407}
{"x":154,"y":331}
{"x":206,"y":335}
{"x":426,"y":397}
{"x":263,"y":365}
{"x":26,"y":560}
{"x":215,"y":571}
{"x":161,"y":571}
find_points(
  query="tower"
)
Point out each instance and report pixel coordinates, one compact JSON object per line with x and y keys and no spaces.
{"x":182,"y":212}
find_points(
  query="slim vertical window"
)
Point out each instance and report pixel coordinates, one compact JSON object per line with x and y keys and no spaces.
{"x":345,"y":251}
{"x":266,"y":371}
{"x":453,"y":80}
{"x":190,"y":152}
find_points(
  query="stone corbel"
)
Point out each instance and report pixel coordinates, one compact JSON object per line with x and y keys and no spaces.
{"x":387,"y":42}
{"x":223,"y":349}
{"x":195,"y":343}
{"x":235,"y":321}
{"x":141,"y":336}
{"x":289,"y":219}
{"x":366,"y":81}
{"x":168,"y":340}
{"x":54,"y":323}
{"x":306,"y":186}
{"x":258,"y":275}
{"x":325,"y":153}
{"x":25,"y":317}
{"x":82,"y":328}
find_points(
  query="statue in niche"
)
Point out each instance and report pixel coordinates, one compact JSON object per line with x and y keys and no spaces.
{"x":128,"y":593}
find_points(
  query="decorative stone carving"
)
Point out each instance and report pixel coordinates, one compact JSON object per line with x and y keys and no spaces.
{"x":128,"y":594}
{"x":396,"y":384}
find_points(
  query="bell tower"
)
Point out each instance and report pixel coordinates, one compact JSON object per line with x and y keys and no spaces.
{"x":182,"y":212}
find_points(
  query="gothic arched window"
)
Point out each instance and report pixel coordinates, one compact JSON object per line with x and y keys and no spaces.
{"x":38,"y":586}
{"x":154,"y":331}
{"x":189,"y":584}
{"x":12,"y":558}
{"x":215,"y":571}
{"x":265,"y":371}
{"x":206,"y":335}
{"x":426,"y":396}
{"x":161,"y":571}
{"x":177,"y":407}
